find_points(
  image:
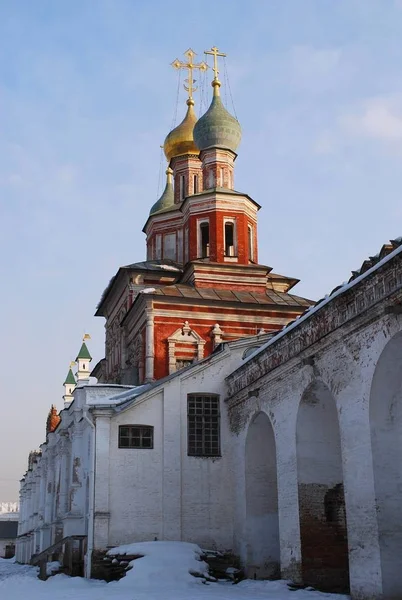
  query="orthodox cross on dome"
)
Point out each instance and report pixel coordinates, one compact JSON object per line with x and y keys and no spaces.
{"x":190,"y":66}
{"x":215,"y":53}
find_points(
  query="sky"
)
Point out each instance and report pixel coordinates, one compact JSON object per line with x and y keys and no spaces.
{"x":87,"y":96}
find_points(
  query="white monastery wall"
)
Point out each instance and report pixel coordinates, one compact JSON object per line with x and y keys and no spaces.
{"x":335,"y":410}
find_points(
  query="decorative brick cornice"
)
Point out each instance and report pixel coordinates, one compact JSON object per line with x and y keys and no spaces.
{"x":347,"y":305}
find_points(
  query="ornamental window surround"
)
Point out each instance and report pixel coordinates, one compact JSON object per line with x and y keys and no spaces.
{"x":203,"y":425}
{"x":203,"y":238}
{"x":184,"y":345}
{"x":230,"y":236}
{"x":136,"y":436}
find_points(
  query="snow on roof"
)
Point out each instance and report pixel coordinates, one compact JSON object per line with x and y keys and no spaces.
{"x":148,"y":290}
{"x":337,"y":292}
{"x":129,"y":393}
{"x":169,"y":267}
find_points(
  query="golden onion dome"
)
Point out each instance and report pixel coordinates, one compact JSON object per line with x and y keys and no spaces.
{"x":181,"y":140}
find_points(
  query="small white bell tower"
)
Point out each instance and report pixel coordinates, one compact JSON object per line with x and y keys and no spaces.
{"x":83,"y":361}
{"x":69,"y":387}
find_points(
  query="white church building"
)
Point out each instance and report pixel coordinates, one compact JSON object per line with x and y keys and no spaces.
{"x":228,"y":411}
{"x":290,"y":457}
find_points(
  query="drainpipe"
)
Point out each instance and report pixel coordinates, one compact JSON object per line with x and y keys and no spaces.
{"x":91,"y":503}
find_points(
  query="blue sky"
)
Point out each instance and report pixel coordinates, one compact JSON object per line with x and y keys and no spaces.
{"x":86,"y":98}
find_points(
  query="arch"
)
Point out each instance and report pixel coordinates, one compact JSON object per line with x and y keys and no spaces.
{"x":262,"y":523}
{"x":323,"y":534}
{"x":386,"y":441}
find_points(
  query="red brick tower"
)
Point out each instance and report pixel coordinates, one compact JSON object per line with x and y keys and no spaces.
{"x":201,"y":284}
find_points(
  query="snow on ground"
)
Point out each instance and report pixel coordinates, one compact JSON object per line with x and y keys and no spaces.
{"x":162,"y":574}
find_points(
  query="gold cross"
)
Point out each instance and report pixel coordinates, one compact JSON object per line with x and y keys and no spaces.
{"x":190,"y":66}
{"x":215,"y":53}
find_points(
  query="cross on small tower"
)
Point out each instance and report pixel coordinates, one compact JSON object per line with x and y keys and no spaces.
{"x":190,"y":66}
{"x":215,"y":53}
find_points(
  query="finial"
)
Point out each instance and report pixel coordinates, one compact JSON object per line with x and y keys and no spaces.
{"x":86,"y":337}
{"x":215,"y":53}
{"x":190,"y":66}
{"x":169,"y":175}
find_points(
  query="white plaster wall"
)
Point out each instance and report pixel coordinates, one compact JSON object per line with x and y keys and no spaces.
{"x":347,"y":368}
{"x":207,"y":483}
{"x":135,"y":476}
{"x":163,"y":492}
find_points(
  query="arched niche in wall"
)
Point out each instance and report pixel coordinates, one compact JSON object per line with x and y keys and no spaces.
{"x":262,"y":523}
{"x":323,"y":532}
{"x":386,"y":440}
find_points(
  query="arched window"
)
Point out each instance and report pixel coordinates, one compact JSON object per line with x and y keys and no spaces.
{"x":250,"y":243}
{"x":204,"y":239}
{"x":229,"y":238}
{"x":195,"y":184}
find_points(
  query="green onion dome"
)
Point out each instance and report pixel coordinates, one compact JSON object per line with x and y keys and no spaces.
{"x":217,"y":127}
{"x":167,"y":198}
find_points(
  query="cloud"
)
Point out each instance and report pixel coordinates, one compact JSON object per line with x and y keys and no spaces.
{"x":377,"y":118}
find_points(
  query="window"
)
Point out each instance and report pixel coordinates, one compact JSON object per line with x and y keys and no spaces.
{"x":182,"y":181}
{"x":250,"y":243}
{"x":169,"y":246}
{"x":180,"y":245}
{"x":158,"y":246}
{"x":203,"y":425}
{"x":186,"y":245}
{"x":204,"y":239}
{"x":181,"y":363}
{"x":229,"y":239}
{"x":222,"y":177}
{"x":195,"y":181}
{"x":136,"y":436}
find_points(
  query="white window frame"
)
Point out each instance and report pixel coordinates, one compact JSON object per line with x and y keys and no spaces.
{"x":234,"y":257}
{"x":199,"y":238}
{"x":250,"y":241}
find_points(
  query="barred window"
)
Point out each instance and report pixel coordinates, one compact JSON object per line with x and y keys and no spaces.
{"x":203,"y":424}
{"x":136,"y":436}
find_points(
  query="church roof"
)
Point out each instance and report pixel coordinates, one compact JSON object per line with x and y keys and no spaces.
{"x":84,"y":353}
{"x":166,"y":201}
{"x":269,"y":297}
{"x":164,"y":265}
{"x":217,"y":127}
{"x":180,"y":140}
{"x":70,"y":379}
